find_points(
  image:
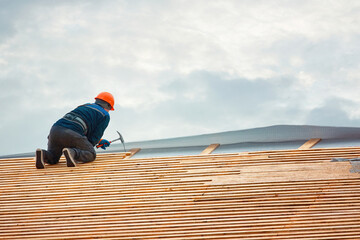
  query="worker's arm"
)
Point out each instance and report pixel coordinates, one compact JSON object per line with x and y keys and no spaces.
{"x":99,"y":131}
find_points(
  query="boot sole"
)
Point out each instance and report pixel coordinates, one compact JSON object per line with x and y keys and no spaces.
{"x":69,"y":161}
{"x":39,"y":159}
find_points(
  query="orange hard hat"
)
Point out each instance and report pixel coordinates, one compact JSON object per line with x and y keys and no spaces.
{"x":107,"y":97}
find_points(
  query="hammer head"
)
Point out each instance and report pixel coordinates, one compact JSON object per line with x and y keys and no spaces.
{"x":120,"y":137}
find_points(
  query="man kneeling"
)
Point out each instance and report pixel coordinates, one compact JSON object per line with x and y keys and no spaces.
{"x":77,"y":133}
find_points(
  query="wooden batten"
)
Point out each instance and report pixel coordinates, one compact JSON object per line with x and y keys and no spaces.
{"x":309,"y":144}
{"x":285,"y":194}
{"x":132,"y":152}
{"x":210,"y":149}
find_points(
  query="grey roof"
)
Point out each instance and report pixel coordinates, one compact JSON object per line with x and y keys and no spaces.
{"x":276,"y":137}
{"x":256,"y":139}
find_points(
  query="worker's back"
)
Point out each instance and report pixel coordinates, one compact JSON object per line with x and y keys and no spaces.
{"x":95,"y":117}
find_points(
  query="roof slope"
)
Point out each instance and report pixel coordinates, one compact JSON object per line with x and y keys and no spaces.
{"x":293,"y":194}
{"x":275,"y":137}
{"x":276,"y":133}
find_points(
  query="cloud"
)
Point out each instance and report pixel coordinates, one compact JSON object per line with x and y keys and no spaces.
{"x":334,"y":112}
{"x":203,"y":101}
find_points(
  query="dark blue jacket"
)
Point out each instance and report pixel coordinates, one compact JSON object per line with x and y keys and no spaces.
{"x":95,"y":117}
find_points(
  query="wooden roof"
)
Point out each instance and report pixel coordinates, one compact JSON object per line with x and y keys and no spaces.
{"x":294,"y":194}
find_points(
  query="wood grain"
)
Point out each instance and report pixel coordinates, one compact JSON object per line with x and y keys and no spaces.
{"x":286,"y":194}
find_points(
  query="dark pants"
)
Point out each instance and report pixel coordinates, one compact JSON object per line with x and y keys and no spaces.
{"x":60,"y":138}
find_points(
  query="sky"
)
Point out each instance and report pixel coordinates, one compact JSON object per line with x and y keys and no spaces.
{"x":177,"y":67}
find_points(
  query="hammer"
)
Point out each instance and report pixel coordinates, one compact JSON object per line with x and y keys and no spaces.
{"x":120,"y":138}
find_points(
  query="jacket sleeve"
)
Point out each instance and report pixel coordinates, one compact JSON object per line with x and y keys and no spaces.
{"x":99,"y":131}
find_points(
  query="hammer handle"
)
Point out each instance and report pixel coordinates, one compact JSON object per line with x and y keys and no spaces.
{"x":97,"y":146}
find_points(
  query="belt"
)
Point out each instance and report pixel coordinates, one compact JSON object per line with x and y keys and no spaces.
{"x":76,"y":119}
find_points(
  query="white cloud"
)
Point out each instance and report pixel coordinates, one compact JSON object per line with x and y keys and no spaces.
{"x":305,"y":79}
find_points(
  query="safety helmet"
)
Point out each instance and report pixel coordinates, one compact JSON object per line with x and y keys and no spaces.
{"x":107,"y":97}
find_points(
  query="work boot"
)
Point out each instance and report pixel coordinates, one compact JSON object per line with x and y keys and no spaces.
{"x":70,"y":157}
{"x":39,"y":157}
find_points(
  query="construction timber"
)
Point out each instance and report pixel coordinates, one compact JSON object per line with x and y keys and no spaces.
{"x":287,"y":194}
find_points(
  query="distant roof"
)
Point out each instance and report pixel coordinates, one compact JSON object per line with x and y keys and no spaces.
{"x":256,"y":139}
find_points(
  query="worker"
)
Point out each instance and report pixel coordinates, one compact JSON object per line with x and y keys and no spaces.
{"x":76,"y":134}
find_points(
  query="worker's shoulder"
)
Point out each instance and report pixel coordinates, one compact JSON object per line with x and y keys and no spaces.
{"x":94,"y":107}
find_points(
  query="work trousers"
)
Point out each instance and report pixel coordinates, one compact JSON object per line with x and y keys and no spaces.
{"x":60,"y":138}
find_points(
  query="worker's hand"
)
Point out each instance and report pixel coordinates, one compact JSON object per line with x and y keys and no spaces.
{"x":104,"y":143}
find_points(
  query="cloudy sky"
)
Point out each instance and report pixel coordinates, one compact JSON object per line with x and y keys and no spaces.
{"x":177,"y":68}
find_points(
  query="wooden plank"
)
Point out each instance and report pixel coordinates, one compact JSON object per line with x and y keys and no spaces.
{"x":210,"y":149}
{"x":309,"y":144}
{"x":284,"y":172}
{"x":133,"y":151}
{"x":287,"y":194}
